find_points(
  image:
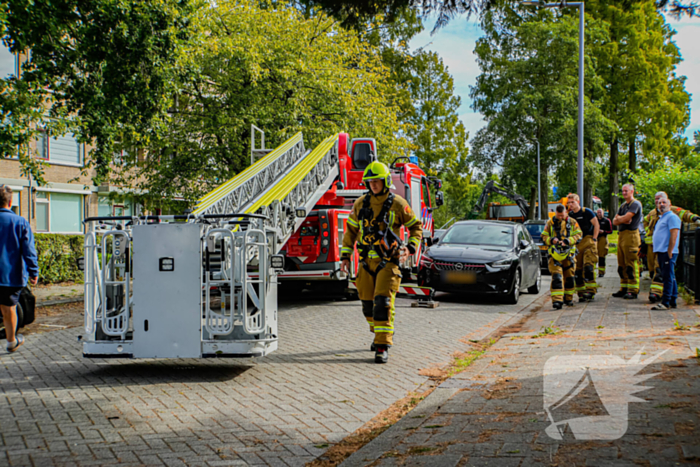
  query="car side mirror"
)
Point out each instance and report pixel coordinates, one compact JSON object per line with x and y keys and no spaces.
{"x":435,"y":240}
{"x":439,"y":199}
{"x":524,"y":244}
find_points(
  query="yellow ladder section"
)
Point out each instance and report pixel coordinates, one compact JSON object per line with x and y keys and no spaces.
{"x":223,"y":190}
{"x":281,"y":189}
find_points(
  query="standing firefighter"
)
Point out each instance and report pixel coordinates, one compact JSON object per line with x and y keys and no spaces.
{"x":375,"y":223}
{"x":561,"y":234}
{"x":627,"y":220}
{"x":657,"y":281}
{"x":605,"y":230}
{"x":587,"y":256}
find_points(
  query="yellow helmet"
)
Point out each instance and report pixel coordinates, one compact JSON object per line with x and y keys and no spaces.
{"x":559,"y":252}
{"x":378,"y":171}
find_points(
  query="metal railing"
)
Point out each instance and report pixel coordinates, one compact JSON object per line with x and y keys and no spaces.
{"x":687,"y":266}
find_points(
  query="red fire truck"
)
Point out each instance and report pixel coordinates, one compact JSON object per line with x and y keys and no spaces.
{"x":313,"y":251}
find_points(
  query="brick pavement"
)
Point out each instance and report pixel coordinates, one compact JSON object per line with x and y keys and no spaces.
{"x":57,"y":408}
{"x":494,"y":413}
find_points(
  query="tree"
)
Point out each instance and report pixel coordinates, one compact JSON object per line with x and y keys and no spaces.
{"x":276,"y":69}
{"x":640,"y":90}
{"x":527,"y":92}
{"x":354,"y":13}
{"x":99,"y":68}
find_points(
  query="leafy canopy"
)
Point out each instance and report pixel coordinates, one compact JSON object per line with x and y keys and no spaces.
{"x":274,"y":68}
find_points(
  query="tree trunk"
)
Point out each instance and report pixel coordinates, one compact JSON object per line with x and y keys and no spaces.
{"x":532,"y":213}
{"x":587,"y":193}
{"x":544,"y":196}
{"x":633,"y":154}
{"x":613,"y":178}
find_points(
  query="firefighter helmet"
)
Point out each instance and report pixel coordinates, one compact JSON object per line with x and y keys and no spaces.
{"x":378,"y":171}
{"x":560,"y":252}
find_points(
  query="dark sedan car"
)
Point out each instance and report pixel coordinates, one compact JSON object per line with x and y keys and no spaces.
{"x":483,"y":257}
{"x":535,"y":229}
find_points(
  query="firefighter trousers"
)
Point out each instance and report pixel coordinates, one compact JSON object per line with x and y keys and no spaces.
{"x":586,"y":260}
{"x":602,"y":253}
{"x":563,"y":283}
{"x":627,"y":261}
{"x":378,"y":295}
{"x":657,"y":277}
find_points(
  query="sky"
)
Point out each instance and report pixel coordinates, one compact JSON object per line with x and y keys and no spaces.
{"x":455,"y":44}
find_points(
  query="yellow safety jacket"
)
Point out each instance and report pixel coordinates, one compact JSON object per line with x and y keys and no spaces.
{"x":567,"y":229}
{"x":366,"y":232}
{"x":652,"y":218}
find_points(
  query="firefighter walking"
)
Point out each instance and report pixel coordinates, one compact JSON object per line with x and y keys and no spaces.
{"x":375,"y":224}
{"x":605,"y":230}
{"x":627,"y":220}
{"x":561,"y":234}
{"x":656,"y":289}
{"x":587,"y":257}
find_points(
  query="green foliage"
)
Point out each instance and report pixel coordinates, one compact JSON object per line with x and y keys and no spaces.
{"x":58,"y":257}
{"x":681,"y":183}
{"x":528,"y":93}
{"x":102,"y":69}
{"x":276,"y":69}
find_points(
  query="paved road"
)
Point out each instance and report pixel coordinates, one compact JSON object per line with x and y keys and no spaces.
{"x":57,"y":408}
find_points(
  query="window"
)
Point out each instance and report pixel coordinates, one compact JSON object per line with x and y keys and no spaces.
{"x":8,"y":62}
{"x":16,"y":207}
{"x":59,"y":212}
{"x":60,"y":149}
{"x":42,"y":212}
{"x":107,"y":207}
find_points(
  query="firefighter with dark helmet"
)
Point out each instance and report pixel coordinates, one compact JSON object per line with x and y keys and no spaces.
{"x":561,"y":234}
{"x":375,"y":224}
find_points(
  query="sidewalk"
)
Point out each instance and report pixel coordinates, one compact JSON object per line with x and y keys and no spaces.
{"x":494,"y":414}
{"x":56,"y":294}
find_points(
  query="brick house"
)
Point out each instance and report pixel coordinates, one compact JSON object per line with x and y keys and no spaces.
{"x":69,"y":196}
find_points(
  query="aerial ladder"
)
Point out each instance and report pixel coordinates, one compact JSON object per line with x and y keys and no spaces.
{"x":204,"y":284}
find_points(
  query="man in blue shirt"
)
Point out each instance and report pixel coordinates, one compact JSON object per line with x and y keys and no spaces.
{"x":666,"y":239}
{"x":17,"y":261}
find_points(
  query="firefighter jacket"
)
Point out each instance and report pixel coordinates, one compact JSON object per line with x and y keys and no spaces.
{"x":365,"y":230}
{"x":567,"y":229}
{"x":652,"y":218}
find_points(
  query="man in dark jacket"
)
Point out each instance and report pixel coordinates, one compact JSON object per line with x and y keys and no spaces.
{"x":18,"y":261}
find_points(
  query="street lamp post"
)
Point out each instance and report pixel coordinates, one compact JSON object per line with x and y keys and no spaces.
{"x":580,"y":6}
{"x":539,"y":190}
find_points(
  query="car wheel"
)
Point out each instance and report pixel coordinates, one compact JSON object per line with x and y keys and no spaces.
{"x":514,"y":295}
{"x":535,"y":289}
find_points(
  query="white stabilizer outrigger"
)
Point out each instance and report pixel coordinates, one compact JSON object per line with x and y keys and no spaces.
{"x":202,"y":284}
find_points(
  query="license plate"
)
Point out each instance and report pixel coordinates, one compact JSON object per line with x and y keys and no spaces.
{"x":454,"y":277}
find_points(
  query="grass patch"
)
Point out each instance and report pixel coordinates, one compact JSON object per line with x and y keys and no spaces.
{"x":463,"y":361}
{"x":680,"y":327}
{"x":612,"y":242}
{"x":550,"y":330}
{"x":688,"y":296}
{"x":420,"y":450}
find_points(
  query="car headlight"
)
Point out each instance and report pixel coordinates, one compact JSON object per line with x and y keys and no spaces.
{"x":503,"y":264}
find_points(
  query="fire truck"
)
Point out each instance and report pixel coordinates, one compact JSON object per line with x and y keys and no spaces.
{"x":312,"y":254}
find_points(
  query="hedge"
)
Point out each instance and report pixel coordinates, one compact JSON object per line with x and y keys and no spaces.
{"x":58,"y":257}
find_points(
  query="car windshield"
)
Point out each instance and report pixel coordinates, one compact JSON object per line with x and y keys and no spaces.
{"x":535,"y":229}
{"x":480,"y":234}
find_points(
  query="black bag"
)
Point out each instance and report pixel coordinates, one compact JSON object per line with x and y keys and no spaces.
{"x":27,"y":301}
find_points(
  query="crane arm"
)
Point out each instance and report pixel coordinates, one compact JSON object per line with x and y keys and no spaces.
{"x":492,"y":187}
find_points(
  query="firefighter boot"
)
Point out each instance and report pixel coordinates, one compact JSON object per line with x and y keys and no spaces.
{"x":620,"y":293}
{"x":382,"y":354}
{"x":557,"y":305}
{"x":569,"y":302}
